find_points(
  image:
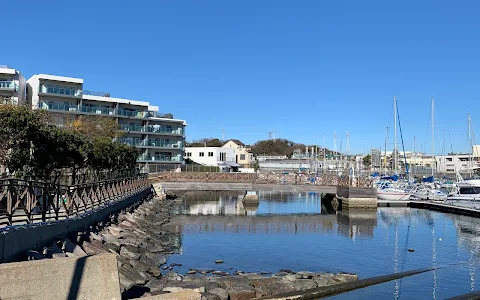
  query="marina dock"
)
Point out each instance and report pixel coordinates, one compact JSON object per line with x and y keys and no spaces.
{"x":437,"y":206}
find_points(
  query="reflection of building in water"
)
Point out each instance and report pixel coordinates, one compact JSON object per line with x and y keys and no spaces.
{"x":353,"y":223}
{"x":210,"y":203}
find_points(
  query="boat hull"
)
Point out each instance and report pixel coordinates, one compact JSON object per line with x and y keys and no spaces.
{"x":393,"y":196}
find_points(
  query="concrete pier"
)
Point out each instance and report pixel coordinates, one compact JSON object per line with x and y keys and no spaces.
{"x":357,"y":197}
{"x":250,"y":197}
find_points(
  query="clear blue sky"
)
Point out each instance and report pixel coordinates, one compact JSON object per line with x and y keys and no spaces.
{"x":300,"y":68}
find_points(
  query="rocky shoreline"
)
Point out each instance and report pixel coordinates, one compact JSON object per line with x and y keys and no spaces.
{"x":142,"y":241}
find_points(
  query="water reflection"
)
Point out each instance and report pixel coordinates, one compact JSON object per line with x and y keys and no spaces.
{"x":295,"y":231}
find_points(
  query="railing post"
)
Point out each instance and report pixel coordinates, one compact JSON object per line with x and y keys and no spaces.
{"x":44,"y":203}
{"x":10,"y":198}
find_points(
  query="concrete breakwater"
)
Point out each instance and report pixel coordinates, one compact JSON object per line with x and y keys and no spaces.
{"x":142,"y":238}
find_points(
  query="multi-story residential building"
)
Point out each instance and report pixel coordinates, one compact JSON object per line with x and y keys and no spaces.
{"x":213,"y":156}
{"x":12,"y":86}
{"x":243,"y":154}
{"x":159,"y":136}
{"x":453,"y":162}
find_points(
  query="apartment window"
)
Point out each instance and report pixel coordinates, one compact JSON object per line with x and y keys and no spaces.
{"x":450,"y":170}
{"x":449,"y":159}
{"x":223,"y":156}
{"x":201,"y":154}
{"x":189,"y":154}
{"x":210,"y":154}
{"x":242,"y":156}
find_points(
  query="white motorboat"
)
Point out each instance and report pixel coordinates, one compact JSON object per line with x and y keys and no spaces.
{"x":393,"y":194}
{"x":427,"y":192}
{"x":465,"y":192}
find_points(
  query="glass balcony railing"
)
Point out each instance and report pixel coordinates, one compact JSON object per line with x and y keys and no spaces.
{"x":128,"y":127}
{"x":160,"y":158}
{"x":8,"y":85}
{"x":131,"y":141}
{"x":131,"y":113}
{"x":59,"y":106}
{"x":98,"y":110}
{"x":61,"y":90}
{"x":160,"y":144}
{"x":164,"y":130}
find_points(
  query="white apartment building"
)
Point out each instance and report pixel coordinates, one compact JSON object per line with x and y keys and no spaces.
{"x":213,"y":156}
{"x":461,"y":162}
{"x":12,"y":86}
{"x":159,"y":136}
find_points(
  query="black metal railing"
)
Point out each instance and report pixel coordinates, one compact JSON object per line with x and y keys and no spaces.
{"x":26,"y":201}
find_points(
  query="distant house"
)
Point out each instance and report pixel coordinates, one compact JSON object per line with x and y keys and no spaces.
{"x":243,"y":154}
{"x":213,"y":156}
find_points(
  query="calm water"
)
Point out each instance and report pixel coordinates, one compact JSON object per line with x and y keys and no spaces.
{"x":289,"y":231}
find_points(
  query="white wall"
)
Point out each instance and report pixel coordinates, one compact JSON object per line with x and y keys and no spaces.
{"x":209,"y":160}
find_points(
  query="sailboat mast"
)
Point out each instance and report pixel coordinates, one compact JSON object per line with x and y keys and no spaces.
{"x":470,"y":144}
{"x":414,"y":157}
{"x":433,"y":133}
{"x":385,"y":157}
{"x":395,"y":133}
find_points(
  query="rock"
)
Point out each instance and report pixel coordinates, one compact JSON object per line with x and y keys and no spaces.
{"x":94,"y":236}
{"x":129,"y":277}
{"x":182,"y":295}
{"x":286,"y":271}
{"x":210,"y":296}
{"x":411,"y":250}
{"x":112,"y":248}
{"x":115,"y":231}
{"x":129,"y":252}
{"x":221,"y":293}
{"x":176,"y":265}
{"x":68,"y":246}
{"x":59,"y":255}
{"x":34,"y":255}
{"x":290,"y":277}
{"x":165,"y":267}
{"x":321,"y":281}
{"x":272,"y":286}
{"x":109,"y":238}
{"x":343,"y":277}
{"x":154,"y":271}
{"x":219,"y":261}
{"x":156,"y":284}
{"x":304,"y":284}
{"x":241,"y":292}
{"x":173,"y":276}
{"x":173,"y":289}
{"x":53,"y":251}
{"x":192,"y":272}
{"x":93,"y":248}
{"x":304,"y":275}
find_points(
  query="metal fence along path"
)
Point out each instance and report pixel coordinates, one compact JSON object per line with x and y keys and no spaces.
{"x":26,"y":201}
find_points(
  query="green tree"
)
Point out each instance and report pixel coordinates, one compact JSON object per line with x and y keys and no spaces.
{"x":367,"y":160}
{"x":256,"y":166}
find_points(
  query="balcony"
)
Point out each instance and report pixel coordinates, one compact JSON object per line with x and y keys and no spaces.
{"x":98,"y":110}
{"x":142,"y":114}
{"x":160,"y":144}
{"x":8,"y":86}
{"x":63,"y":91}
{"x":135,"y":128}
{"x":59,"y":106}
{"x":159,"y":158}
{"x":136,"y":142}
{"x":164,"y":130}
{"x":98,"y":94}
